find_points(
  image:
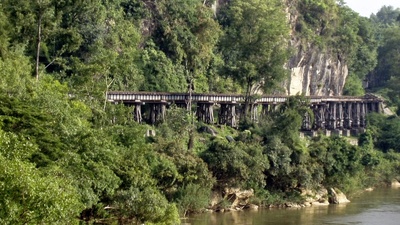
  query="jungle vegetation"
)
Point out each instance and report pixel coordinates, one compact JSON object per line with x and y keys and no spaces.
{"x":66,"y":155}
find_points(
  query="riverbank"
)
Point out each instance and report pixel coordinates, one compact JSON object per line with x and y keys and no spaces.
{"x":380,"y":206}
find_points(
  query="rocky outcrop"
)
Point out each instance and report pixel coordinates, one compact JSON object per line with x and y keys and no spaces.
{"x":395,"y":183}
{"x":323,"y":197}
{"x":238,"y":198}
{"x":209,"y":130}
{"x":336,"y":196}
{"x":232,"y":199}
{"x":315,"y":72}
{"x":314,"y":198}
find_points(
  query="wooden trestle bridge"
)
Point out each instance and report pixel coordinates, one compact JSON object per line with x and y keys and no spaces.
{"x":338,"y":113}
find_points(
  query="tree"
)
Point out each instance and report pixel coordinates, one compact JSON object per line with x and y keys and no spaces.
{"x":15,"y":71}
{"x":138,"y":197}
{"x":386,"y":16}
{"x":146,"y":205}
{"x":387,"y":132}
{"x":161,"y":73}
{"x":389,"y":54}
{"x":339,"y":161}
{"x":30,"y":195}
{"x":35,"y":21}
{"x":319,"y":16}
{"x":387,"y":34}
{"x":236,"y":164}
{"x":254,"y":45}
{"x":100,"y":47}
{"x":31,"y":122}
{"x":187,"y":33}
{"x":355,"y":39}
{"x":353,"y":86}
{"x":42,"y":7}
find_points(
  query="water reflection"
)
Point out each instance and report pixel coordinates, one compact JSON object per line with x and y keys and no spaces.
{"x":378,"y":207}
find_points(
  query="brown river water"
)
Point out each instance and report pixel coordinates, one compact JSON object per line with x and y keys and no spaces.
{"x":378,"y":207}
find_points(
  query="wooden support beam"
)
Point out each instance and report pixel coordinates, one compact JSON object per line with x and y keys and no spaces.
{"x":205,"y":112}
{"x":340,"y":118}
{"x":137,"y":112}
{"x":348,"y":115}
{"x":254,"y":112}
{"x":330,"y":112}
{"x":363,"y":115}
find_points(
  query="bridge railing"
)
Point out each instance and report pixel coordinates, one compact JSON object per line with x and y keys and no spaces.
{"x":331,"y":112}
{"x":225,"y":98}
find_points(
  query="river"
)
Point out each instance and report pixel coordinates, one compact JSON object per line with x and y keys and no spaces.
{"x":378,"y":207}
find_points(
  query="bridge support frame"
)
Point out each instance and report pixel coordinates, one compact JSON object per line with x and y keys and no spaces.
{"x":137,"y":111}
{"x":157,"y":112}
{"x":205,"y":112}
{"x":331,"y":113}
{"x":227,"y":114}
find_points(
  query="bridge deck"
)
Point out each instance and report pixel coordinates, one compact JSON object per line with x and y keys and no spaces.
{"x":115,"y":96}
{"x":330,"y":112}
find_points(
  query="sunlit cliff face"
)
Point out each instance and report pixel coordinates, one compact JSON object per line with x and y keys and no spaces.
{"x":312,"y":71}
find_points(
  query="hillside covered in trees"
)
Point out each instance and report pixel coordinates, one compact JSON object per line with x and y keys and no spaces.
{"x":67,"y":155}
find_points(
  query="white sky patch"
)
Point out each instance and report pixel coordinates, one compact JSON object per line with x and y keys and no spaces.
{"x":367,"y":7}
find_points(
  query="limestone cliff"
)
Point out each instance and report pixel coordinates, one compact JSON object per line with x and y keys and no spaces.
{"x":313,"y":71}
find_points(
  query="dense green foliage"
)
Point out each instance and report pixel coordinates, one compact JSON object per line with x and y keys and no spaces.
{"x":385,"y":77}
{"x":67,"y":155}
{"x":254,"y":43}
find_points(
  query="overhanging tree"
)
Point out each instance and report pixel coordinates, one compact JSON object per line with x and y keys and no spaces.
{"x":255,"y":43}
{"x":187,"y":33}
{"x":34,"y":23}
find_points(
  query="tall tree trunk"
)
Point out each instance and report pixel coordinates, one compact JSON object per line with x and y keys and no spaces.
{"x":39,"y":39}
{"x":247,"y":100}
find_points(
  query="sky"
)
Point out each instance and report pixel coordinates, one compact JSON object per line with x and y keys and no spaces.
{"x":366,"y":7}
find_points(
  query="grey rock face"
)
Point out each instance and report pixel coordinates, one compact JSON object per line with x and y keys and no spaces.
{"x":313,"y":72}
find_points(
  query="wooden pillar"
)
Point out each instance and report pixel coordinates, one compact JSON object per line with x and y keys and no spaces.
{"x":163,"y":110}
{"x":340,"y":115}
{"x":200,"y":112}
{"x":306,"y":125}
{"x":363,"y":114}
{"x":211,"y":113}
{"x":372,"y":107}
{"x":356,"y":114}
{"x":254,"y":112}
{"x":264,"y":110}
{"x":379,"y":107}
{"x":320,"y":116}
{"x":222,"y":114}
{"x":156,"y":112}
{"x":153,"y":113}
{"x":376,"y":107}
{"x":233,"y":116}
{"x":332,"y":115}
{"x":274,"y":107}
{"x":137,"y":112}
{"x":227,"y":114}
{"x":205,"y":112}
{"x":348,"y":115}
